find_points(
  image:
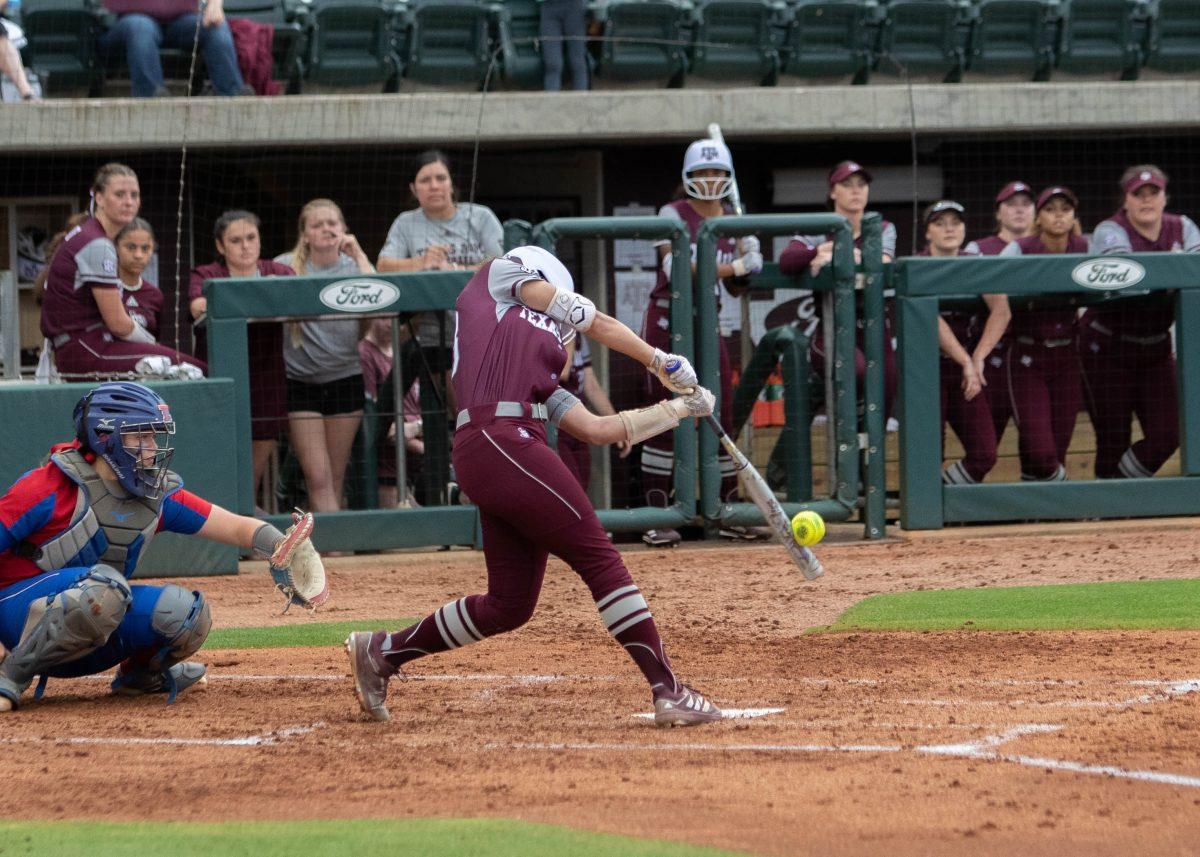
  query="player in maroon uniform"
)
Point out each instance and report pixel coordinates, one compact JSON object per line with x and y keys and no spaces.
{"x":1042,"y":365}
{"x":1014,"y":219}
{"x":142,"y":299}
{"x":707,"y":181}
{"x":82,"y":312}
{"x":1125,"y":345}
{"x":513,"y":316}
{"x":849,"y":192}
{"x":964,"y":337}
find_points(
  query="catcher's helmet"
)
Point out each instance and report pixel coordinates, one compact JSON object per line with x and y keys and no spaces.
{"x":129,"y":426}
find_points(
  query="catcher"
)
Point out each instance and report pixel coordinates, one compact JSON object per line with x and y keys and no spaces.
{"x":71,"y":534}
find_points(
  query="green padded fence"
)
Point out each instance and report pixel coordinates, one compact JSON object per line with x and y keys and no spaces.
{"x":205,"y":442}
{"x":922,"y":283}
{"x":548,"y":234}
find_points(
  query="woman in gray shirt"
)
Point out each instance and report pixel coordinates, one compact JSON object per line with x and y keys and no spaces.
{"x":324,"y":378}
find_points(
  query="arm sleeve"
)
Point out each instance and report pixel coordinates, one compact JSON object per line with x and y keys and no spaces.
{"x":972,"y":249}
{"x":1107,"y":238}
{"x":195,"y":285}
{"x":505,"y":278}
{"x":96,"y":265}
{"x":889,"y":239}
{"x":559,"y":403}
{"x":28,"y":507}
{"x":184,"y":512}
{"x":1191,"y":236}
{"x":396,"y":245}
{"x":800,"y":251}
{"x":1012,"y":248}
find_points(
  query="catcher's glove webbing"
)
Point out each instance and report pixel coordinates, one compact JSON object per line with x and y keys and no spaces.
{"x":297,"y":568}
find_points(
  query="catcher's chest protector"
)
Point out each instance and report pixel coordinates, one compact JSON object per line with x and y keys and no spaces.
{"x":104,"y":527}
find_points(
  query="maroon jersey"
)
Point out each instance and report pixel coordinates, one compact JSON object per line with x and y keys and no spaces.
{"x":681,"y":210}
{"x":1042,"y":323}
{"x":990,"y":245}
{"x":218,"y":270}
{"x":1152,"y":314}
{"x":144,"y":305}
{"x":503,"y":350}
{"x":85,"y":260}
{"x":573,"y":383}
{"x":802,"y":249}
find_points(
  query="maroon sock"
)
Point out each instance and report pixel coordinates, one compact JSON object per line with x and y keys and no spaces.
{"x":627,"y":616}
{"x":448,"y":627}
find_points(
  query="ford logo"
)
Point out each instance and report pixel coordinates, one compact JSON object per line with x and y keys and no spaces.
{"x":1108,"y":274}
{"x":362,"y":295}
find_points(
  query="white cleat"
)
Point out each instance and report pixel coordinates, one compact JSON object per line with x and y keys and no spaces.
{"x":685,"y":708}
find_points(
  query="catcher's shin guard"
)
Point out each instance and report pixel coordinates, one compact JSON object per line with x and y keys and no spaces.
{"x":180,"y":621}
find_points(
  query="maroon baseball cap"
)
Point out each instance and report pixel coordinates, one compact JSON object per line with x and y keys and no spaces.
{"x":1053,"y":191}
{"x":1152,"y":176}
{"x":845,"y":169}
{"x":1012,"y":189}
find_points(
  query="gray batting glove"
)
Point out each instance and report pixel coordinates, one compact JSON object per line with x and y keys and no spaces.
{"x":680,"y":377}
{"x":750,"y":263}
{"x":749,"y":244}
{"x":700,"y":402}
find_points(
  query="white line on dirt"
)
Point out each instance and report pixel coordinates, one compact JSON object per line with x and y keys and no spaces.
{"x":730,"y":713}
{"x":723,"y":748}
{"x":265,"y":739}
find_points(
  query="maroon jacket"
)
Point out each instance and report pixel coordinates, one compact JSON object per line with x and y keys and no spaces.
{"x":1043,"y":323}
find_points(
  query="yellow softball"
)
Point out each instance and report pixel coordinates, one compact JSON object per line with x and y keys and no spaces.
{"x":808,"y":528}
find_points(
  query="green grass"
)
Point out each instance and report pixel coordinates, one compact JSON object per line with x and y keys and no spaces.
{"x":1142,"y":604}
{"x":303,"y":633}
{"x":442,"y":837}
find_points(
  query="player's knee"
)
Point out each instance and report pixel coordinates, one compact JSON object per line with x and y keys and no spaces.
{"x":182,"y":619}
{"x":94,"y":608}
{"x":507,"y":614}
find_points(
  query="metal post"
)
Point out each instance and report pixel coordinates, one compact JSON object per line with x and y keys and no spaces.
{"x":398,"y":391}
{"x":10,"y":324}
{"x":874,"y":350}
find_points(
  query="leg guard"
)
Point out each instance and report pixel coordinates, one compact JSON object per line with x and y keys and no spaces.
{"x":179,"y":623}
{"x":66,"y":626}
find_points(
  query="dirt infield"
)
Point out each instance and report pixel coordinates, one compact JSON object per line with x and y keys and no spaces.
{"x":861,"y":743}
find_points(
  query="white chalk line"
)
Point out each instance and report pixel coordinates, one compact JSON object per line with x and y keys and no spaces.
{"x":729,"y":713}
{"x":276,"y":736}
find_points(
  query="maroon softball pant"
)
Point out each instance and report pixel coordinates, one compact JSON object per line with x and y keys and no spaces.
{"x":1045,"y":391}
{"x":972,"y":424}
{"x":816,"y":356}
{"x":1123,"y":379}
{"x":99,"y":353}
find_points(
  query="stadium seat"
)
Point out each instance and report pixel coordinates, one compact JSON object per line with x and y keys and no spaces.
{"x":659,"y":57}
{"x":923,"y":37}
{"x":62,"y":43}
{"x":1101,"y":36}
{"x":351,"y":43}
{"x":517,"y":30}
{"x":735,"y":40}
{"x":1173,"y":42}
{"x":449,"y":42}
{"x":287,"y":45}
{"x":827,"y":38}
{"x":1012,"y":37}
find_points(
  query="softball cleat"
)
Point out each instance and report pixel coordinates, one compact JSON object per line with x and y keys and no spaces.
{"x":370,"y":673}
{"x":684,"y":708}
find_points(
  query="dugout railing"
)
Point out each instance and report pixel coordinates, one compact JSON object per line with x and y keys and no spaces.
{"x":836,"y":285}
{"x":922,"y":284}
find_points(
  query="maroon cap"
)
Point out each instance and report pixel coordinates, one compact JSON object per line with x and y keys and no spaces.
{"x":1056,"y":190}
{"x":1012,"y":189}
{"x":846,"y":169}
{"x":1152,"y":177}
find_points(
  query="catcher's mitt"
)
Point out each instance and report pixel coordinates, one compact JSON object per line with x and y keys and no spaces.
{"x":297,"y":568}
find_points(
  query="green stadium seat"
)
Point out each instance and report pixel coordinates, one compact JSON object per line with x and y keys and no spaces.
{"x":659,"y":57}
{"x":827,"y":38}
{"x":518,"y":27}
{"x":1013,"y":37}
{"x":351,"y":43}
{"x":735,"y":40}
{"x":62,"y":43}
{"x":287,"y":45}
{"x":1173,"y":42}
{"x":449,"y":42}
{"x":1101,"y":36}
{"x":924,"y":37}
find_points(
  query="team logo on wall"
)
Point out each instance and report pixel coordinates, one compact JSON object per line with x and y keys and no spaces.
{"x":1108,"y":274}
{"x":359,"y":295}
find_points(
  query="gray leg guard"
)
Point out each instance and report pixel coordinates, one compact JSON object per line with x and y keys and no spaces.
{"x":182,"y":620}
{"x":64,"y":627}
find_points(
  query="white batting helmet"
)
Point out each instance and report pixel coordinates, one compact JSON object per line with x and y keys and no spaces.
{"x":702,"y":155}
{"x":544,"y":263}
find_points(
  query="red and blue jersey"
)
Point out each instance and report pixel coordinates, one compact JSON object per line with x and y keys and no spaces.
{"x":41,"y":504}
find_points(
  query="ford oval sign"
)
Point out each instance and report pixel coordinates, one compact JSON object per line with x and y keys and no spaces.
{"x":1108,"y":274}
{"x":361,"y":295}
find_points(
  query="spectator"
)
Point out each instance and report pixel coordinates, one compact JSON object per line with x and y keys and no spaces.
{"x":581,"y":382}
{"x":1125,"y":345}
{"x":964,"y":344}
{"x":11,"y":42}
{"x":563,"y":26}
{"x":143,"y":300}
{"x":849,"y":193}
{"x":83,"y":314}
{"x":1042,"y":364}
{"x":324,"y":378}
{"x":1014,"y":219}
{"x":376,"y":356}
{"x":237,"y":238}
{"x":144,"y":26}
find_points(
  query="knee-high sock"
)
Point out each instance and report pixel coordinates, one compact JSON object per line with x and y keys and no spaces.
{"x":448,"y":627}
{"x":627,"y":616}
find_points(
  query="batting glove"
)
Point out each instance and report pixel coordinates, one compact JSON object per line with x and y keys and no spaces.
{"x":750,"y":263}
{"x":700,"y":402}
{"x":749,"y":244}
{"x":679,"y":378}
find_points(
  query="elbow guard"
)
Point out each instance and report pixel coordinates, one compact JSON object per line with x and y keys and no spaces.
{"x":559,"y":403}
{"x":571,"y":309}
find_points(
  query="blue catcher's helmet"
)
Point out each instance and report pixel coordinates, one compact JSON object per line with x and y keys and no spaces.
{"x":129,"y":426}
